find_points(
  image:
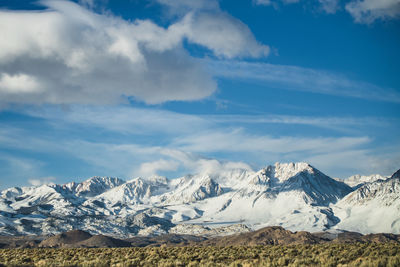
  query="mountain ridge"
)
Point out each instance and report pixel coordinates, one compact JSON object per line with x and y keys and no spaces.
{"x":271,"y":235}
{"x":295,"y":196}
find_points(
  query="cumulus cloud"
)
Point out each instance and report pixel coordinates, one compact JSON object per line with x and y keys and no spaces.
{"x":68,"y":54}
{"x":19,"y":83}
{"x":206,"y":24}
{"x":367,"y":11}
{"x":230,"y":38}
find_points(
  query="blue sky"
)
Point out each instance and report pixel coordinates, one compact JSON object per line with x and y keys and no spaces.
{"x":145,"y":87}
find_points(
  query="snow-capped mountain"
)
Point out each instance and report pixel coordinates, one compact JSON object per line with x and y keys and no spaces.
{"x":374,"y":207}
{"x":358,"y":180}
{"x":93,"y":186}
{"x":295,"y":196}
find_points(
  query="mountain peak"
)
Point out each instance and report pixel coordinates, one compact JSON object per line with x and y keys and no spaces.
{"x":284,"y":171}
{"x":97,"y":185}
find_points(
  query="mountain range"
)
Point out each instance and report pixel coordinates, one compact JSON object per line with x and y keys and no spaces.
{"x":295,"y":196}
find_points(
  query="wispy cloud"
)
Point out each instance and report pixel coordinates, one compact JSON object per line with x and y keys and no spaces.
{"x":340,"y":124}
{"x":123,"y":119}
{"x":182,"y":143}
{"x":15,"y":169}
{"x":241,"y":141}
{"x":328,"y":6}
{"x":128,"y":120}
{"x":300,"y":79}
{"x":181,"y":7}
{"x":368,"y":11}
{"x":41,"y":181}
{"x":357,"y":161}
{"x":363,"y":11}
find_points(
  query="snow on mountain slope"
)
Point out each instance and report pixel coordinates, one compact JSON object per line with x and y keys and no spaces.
{"x":358,"y":180}
{"x":129,"y":197}
{"x":293,"y":195}
{"x":93,"y":186}
{"x":193,"y":188}
{"x":49,"y":199}
{"x":374,"y":207}
{"x":316,"y":187}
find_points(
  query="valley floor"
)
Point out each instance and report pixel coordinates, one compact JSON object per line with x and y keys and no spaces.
{"x":355,"y":254}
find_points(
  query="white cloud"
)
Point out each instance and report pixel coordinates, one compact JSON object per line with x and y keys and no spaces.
{"x":175,"y":159}
{"x":224,"y":35}
{"x":367,"y":11}
{"x":238,"y":140}
{"x":15,"y":168}
{"x":343,"y":125}
{"x":88,"y":3}
{"x":23,"y":165}
{"x":329,"y":6}
{"x":356,"y":161}
{"x":195,"y":163}
{"x":262,"y":2}
{"x":41,"y":181}
{"x":147,"y":169}
{"x":206,"y":24}
{"x":125,"y":119}
{"x":77,"y":56}
{"x":142,"y":142}
{"x":143,"y":121}
{"x":274,"y":3}
{"x":363,"y":11}
{"x":184,"y":6}
{"x":19,"y":83}
{"x":301,"y":79}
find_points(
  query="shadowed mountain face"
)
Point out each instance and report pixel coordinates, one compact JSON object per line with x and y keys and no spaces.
{"x":396,"y":174}
{"x":101,"y":241}
{"x":66,"y":239}
{"x":274,"y":235}
{"x":295,"y":196}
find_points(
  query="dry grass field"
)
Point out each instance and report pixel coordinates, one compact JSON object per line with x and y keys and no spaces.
{"x":356,"y":254}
